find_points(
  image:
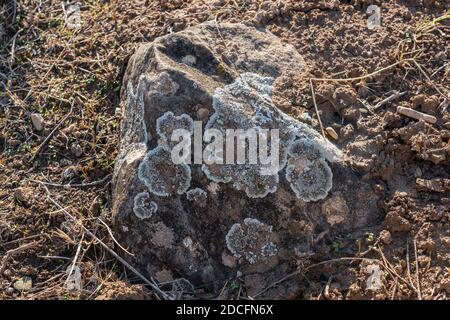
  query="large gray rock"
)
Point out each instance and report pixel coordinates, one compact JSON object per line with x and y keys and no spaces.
{"x":206,"y":222}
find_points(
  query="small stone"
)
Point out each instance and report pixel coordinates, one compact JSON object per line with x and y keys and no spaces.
{"x":9,"y":291}
{"x":332,"y":133}
{"x":38,"y":121}
{"x":23,"y":284}
{"x":76,"y":150}
{"x":447,"y":125}
{"x":385,"y":237}
{"x":373,"y":282}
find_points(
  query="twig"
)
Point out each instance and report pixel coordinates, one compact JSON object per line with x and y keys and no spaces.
{"x":419,"y":290}
{"x":15,"y":251}
{"x":114,"y":239}
{"x":111,"y":251}
{"x":395,"y":95}
{"x":75,"y":185}
{"x":315,"y":106}
{"x":311,"y":84}
{"x":309,"y":268}
{"x":46,"y":140}
{"x":77,"y":253}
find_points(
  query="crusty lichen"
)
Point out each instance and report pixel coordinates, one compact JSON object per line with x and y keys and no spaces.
{"x":168,"y":123}
{"x":246,"y":104}
{"x":143,"y":207}
{"x":312,"y":182}
{"x":133,"y":126}
{"x":157,"y":170}
{"x":161,"y":176}
{"x":198,"y":196}
{"x":251,"y":240}
{"x":309,"y":175}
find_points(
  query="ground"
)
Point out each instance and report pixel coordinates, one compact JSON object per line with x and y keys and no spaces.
{"x":72,"y":78}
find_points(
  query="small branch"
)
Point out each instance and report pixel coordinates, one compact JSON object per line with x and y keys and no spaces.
{"x":47,"y":139}
{"x":111,"y":251}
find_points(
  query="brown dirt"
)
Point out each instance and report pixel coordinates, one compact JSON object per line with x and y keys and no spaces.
{"x":49,"y":69}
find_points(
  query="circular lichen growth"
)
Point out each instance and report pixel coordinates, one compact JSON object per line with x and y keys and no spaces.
{"x":198,"y":196}
{"x":143,"y":207}
{"x":168,"y":123}
{"x":251,"y":240}
{"x":304,"y":148}
{"x":161,"y":175}
{"x":310,"y":180}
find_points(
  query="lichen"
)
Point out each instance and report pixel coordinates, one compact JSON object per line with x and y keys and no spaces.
{"x":251,"y":240}
{"x":143,"y":207}
{"x":161,"y":176}
{"x":168,"y":123}
{"x":198,"y":196}
{"x":246,"y":104}
{"x":163,"y":236}
{"x":310,"y":180}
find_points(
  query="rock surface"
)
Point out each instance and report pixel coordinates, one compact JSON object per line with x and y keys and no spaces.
{"x":208,"y":223}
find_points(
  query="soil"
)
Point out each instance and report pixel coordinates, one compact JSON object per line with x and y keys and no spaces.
{"x":55,"y":183}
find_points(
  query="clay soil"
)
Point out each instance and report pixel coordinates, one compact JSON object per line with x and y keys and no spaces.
{"x":55,"y":183}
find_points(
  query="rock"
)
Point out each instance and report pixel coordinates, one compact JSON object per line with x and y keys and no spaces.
{"x":397,"y":223}
{"x":178,"y":209}
{"x":23,"y":284}
{"x":9,"y":291}
{"x":38,"y":121}
{"x":332,"y":133}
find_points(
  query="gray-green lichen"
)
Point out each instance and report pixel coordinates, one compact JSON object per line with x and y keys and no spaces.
{"x":251,"y":240}
{"x":168,"y":123}
{"x":246,"y":104}
{"x":161,"y":176}
{"x":198,"y":196}
{"x":157,"y":170}
{"x":143,"y":207}
{"x":309,"y":175}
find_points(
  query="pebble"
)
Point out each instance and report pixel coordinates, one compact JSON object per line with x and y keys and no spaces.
{"x":203,"y":113}
{"x":23,"y":284}
{"x":10,"y":291}
{"x":38,"y":121}
{"x":332,"y":133}
{"x":373,"y":282}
